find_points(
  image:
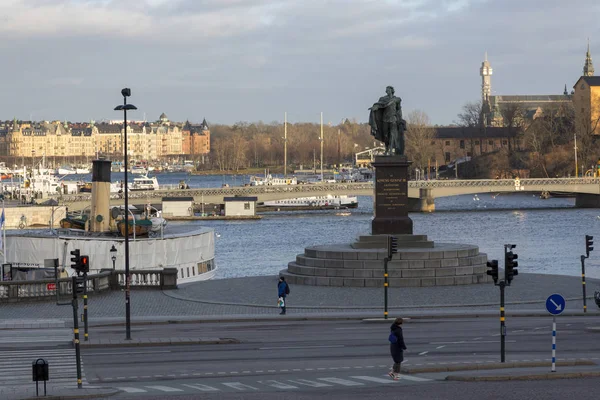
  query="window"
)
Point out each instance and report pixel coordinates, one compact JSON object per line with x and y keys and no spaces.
{"x":246,"y":206}
{"x":469,"y":154}
{"x":447,"y":143}
{"x":433,"y":142}
{"x":491,"y":142}
{"x":504,"y":143}
{"x":462,"y":144}
{"x":447,"y":157}
{"x":477,"y":143}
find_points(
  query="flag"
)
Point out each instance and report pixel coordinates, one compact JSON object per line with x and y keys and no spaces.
{"x":2,"y":218}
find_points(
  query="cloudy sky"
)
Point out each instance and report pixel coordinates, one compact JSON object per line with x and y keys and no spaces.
{"x":251,"y":60}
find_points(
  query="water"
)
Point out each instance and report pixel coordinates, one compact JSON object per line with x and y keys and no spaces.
{"x":549,"y":234}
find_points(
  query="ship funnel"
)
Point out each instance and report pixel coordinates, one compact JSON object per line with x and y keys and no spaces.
{"x":100,"y":214}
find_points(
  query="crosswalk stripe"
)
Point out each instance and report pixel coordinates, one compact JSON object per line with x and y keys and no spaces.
{"x":15,"y":365}
{"x":308,"y":382}
{"x":164,"y":388}
{"x":374,"y":379}
{"x":278,"y":385}
{"x":341,"y":381}
{"x":204,"y":388}
{"x":413,"y":378}
{"x":238,"y":386}
{"x":131,"y":390}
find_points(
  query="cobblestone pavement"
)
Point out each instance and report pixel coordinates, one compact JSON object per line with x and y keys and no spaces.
{"x":258,"y":295}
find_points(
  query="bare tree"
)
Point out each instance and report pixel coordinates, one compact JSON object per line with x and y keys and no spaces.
{"x":470,"y":115}
{"x":419,"y":135}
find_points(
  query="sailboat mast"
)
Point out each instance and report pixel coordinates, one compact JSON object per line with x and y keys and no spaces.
{"x":285,"y":145}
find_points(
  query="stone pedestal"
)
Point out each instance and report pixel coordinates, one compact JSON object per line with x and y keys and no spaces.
{"x":391,"y":196}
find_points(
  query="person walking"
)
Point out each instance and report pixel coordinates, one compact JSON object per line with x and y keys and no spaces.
{"x":397,"y":347}
{"x":283,"y":290}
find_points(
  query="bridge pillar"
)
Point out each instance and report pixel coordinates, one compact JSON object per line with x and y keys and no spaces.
{"x":586,"y":200}
{"x":426,"y":200}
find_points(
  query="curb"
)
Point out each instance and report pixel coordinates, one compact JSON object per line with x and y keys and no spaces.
{"x":106,"y":393}
{"x":154,"y":342}
{"x":545,"y":376}
{"x":488,"y":366}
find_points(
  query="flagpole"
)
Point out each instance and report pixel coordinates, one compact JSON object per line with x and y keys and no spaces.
{"x":3,"y":232}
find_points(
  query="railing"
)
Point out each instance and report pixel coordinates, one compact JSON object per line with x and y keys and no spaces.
{"x":105,"y":280}
{"x":332,"y":187}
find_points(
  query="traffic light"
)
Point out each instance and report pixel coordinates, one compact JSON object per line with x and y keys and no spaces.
{"x":75,"y":259}
{"x":510,"y":265}
{"x":392,"y":246}
{"x":589,"y":244}
{"x":493,"y":270}
{"x":84,"y":264}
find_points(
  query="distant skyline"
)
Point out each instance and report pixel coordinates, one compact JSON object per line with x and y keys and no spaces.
{"x":253,"y":60}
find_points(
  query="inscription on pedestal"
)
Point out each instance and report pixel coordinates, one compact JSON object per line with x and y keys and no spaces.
{"x":391,"y":196}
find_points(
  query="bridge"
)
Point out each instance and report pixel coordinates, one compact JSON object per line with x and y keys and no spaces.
{"x":426,"y":191}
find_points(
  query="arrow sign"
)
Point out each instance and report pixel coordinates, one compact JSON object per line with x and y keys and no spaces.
{"x":555,"y":304}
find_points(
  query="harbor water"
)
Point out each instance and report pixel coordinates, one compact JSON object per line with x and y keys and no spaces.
{"x":549,"y":234}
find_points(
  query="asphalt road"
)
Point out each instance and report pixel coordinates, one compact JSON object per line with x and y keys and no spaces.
{"x":344,"y":359}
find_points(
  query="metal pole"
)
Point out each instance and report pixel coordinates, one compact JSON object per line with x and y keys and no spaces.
{"x":321,"y":147}
{"x":85,"y":308}
{"x":502,"y":324}
{"x":127,"y":277}
{"x":553,"y":343}
{"x":76,"y":330}
{"x":575,"y":148}
{"x":583,"y":282}
{"x":285,"y":145}
{"x":385,"y":288}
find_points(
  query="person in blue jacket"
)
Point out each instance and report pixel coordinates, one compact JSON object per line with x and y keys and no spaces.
{"x":282,"y":291}
{"x":397,"y":348}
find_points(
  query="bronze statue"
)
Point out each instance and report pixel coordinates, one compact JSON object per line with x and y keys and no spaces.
{"x":387,"y":124}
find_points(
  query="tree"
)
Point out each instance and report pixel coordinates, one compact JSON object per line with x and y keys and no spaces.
{"x":418,"y":137}
{"x":470,"y":115}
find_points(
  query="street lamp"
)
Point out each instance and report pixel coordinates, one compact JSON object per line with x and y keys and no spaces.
{"x":113,"y":255}
{"x":126,"y":92}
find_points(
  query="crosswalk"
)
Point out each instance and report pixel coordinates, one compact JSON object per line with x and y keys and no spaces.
{"x":35,"y":337}
{"x":15,"y":365}
{"x":251,"y":385}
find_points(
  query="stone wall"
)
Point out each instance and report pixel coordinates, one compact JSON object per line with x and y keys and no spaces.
{"x":34,"y":216}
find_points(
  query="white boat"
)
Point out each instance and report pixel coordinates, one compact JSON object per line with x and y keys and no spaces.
{"x":66,"y":170}
{"x":144,"y":183}
{"x":341,"y":201}
{"x":270,"y":180}
{"x":82,"y":171}
{"x":138,"y":170}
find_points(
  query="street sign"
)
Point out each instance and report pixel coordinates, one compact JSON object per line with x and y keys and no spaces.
{"x":555,"y":304}
{"x":51,"y":286}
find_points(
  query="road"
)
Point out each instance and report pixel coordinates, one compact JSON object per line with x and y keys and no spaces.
{"x":305,"y":358}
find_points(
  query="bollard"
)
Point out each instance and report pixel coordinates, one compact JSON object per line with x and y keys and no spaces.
{"x":40,"y":372}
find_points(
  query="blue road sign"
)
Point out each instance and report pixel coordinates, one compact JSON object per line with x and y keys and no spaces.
{"x":555,"y":304}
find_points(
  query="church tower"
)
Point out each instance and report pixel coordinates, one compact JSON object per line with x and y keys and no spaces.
{"x":588,"y":68}
{"x":486,"y":79}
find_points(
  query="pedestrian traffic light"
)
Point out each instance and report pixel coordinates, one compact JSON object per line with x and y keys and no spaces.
{"x":493,"y":270}
{"x":392,"y":246}
{"x":589,"y":244}
{"x":84,"y":264}
{"x":510,"y":265}
{"x":75,"y":259}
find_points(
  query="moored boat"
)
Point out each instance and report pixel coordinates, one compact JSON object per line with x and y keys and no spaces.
{"x":340,"y":201}
{"x":141,"y":227}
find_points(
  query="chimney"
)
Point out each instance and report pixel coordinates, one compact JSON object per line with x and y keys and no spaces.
{"x":99,"y":215}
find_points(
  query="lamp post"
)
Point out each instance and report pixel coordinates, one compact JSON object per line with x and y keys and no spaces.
{"x":113,"y":255}
{"x":126,"y":92}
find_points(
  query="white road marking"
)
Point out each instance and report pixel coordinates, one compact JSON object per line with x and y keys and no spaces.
{"x":374,"y":379}
{"x":308,"y":383}
{"x":132,"y":390}
{"x":440,"y":347}
{"x":518,"y":330}
{"x":469,"y":342}
{"x":137,"y":352}
{"x":413,"y":378}
{"x":278,"y":385}
{"x":301,"y":347}
{"x":478,"y":338}
{"x":164,"y":388}
{"x":423,"y":353}
{"x":238,"y":386}
{"x":204,"y":388}
{"x":341,"y":381}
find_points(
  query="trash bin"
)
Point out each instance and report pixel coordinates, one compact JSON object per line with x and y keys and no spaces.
{"x":39,"y":370}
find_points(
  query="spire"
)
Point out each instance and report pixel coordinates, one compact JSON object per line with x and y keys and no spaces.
{"x":485,"y":59}
{"x":588,"y":68}
{"x":566,"y":93}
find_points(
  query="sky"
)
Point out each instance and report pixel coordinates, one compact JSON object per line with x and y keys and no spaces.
{"x":253,"y":60}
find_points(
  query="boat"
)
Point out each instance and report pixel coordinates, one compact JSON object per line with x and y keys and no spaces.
{"x":144,"y":183}
{"x":82,"y":171}
{"x":66,"y":170}
{"x":141,"y":227}
{"x":138,"y":170}
{"x":270,"y":180}
{"x":73,"y":222}
{"x":336,"y":201}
